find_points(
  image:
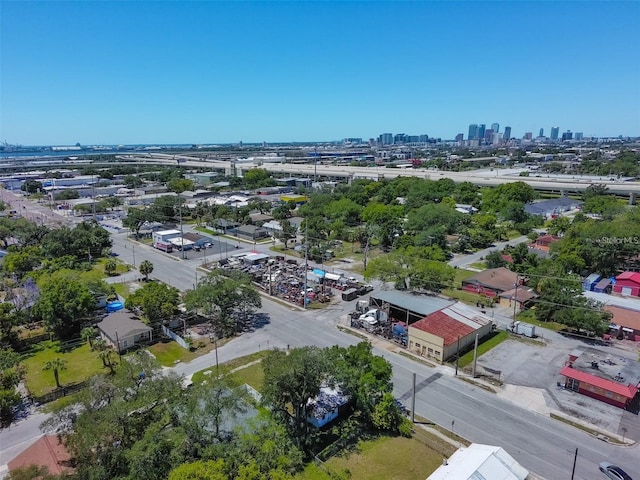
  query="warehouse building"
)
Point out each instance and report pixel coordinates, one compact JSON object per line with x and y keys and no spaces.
{"x":441,"y":334}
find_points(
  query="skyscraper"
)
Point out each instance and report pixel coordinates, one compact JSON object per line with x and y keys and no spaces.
{"x":541,"y":132}
{"x":386,"y":138}
{"x":578,"y":136}
{"x":507,"y":134}
{"x":473,"y":131}
{"x":495,"y":127}
{"x":481,"y":128}
{"x":554,"y":133}
{"x":567,"y":135}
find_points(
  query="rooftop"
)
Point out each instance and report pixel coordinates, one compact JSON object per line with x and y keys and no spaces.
{"x":48,"y":452}
{"x":121,"y":324}
{"x":479,"y":462}
{"x":628,"y":391}
{"x":624,"y":317}
{"x":452,"y":322}
{"x":501,"y":279}
{"x":420,"y":304}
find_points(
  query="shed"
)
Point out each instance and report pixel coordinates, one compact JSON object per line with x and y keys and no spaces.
{"x":628,"y":283}
{"x":255,"y":258}
{"x":603,"y":286}
{"x":521,"y":295}
{"x":590,"y":282}
{"x":123,"y":330}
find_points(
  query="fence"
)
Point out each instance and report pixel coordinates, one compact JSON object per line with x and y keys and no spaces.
{"x":59,"y":393}
{"x":173,"y":336}
{"x":256,"y":395}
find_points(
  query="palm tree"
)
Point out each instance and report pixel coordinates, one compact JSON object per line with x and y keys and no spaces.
{"x":56,"y":365}
{"x":146,"y":267}
{"x":88,"y":334}
{"x":105,"y":356}
{"x":110,"y":267}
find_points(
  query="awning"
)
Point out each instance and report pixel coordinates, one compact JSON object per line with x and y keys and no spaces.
{"x":332,"y":276}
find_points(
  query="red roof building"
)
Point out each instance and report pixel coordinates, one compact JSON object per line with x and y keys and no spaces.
{"x":544,"y":242}
{"x":45,"y":452}
{"x":439,"y":334}
{"x":628,"y":283}
{"x":607,"y":391}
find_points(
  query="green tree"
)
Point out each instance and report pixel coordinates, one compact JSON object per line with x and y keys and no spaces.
{"x":88,"y":334}
{"x":31,"y":186}
{"x":222,"y":295}
{"x":201,"y":470}
{"x":291,"y":381}
{"x":146,"y":267}
{"x":110,"y":267}
{"x":133,"y":181}
{"x":63,"y":303}
{"x":9,"y":380}
{"x":156,"y":300}
{"x":494,"y":259}
{"x":137,"y":217}
{"x":257,"y":177}
{"x":180,"y":185}
{"x":56,"y":365}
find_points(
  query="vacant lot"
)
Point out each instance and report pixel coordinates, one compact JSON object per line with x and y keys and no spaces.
{"x":386,"y":458}
{"x":81,"y":364}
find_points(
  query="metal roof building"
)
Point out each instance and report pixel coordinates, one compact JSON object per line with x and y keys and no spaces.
{"x":408,"y":307}
{"x":479,"y":461}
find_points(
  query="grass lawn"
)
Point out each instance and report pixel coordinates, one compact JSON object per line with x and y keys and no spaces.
{"x":385,"y":458}
{"x":479,"y":265}
{"x":121,"y":289}
{"x":251,"y":374}
{"x":167,"y":353}
{"x":81,"y":364}
{"x":484,"y":347}
{"x":528,"y":316}
{"x":464,"y":296}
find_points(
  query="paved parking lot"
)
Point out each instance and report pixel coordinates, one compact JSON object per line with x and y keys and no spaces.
{"x":525,"y":363}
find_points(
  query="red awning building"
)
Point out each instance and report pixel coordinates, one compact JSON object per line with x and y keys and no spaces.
{"x":607,"y":391}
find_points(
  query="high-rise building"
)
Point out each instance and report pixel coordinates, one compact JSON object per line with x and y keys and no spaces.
{"x":541,"y":132}
{"x":495,"y":127}
{"x":399,"y":138}
{"x":488,"y":135}
{"x":507,"y":134}
{"x":386,"y":139}
{"x":497,"y":139}
{"x":528,"y":136}
{"x":481,"y":128}
{"x":567,"y":135}
{"x":473,"y":131}
{"x":554,"y":133}
{"x":459,"y":137}
{"x":578,"y":136}
{"x":424,"y":138}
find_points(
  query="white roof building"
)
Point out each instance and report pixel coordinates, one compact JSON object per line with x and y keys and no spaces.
{"x":480,"y":462}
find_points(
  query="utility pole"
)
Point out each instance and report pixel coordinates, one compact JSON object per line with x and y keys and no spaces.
{"x":413,"y":400}
{"x":575,"y":458}
{"x":515,"y":299}
{"x":93,"y":197}
{"x":457,"y":355}
{"x":315,"y":165}
{"x":306,"y":261}
{"x":181,"y":230}
{"x":475,"y":356}
{"x":134,"y":255}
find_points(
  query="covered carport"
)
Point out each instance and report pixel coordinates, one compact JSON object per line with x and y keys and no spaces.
{"x":407,"y":307}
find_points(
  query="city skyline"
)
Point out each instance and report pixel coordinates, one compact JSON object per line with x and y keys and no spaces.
{"x":218,"y":72}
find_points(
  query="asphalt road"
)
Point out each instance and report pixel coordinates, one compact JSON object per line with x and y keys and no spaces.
{"x":541,"y":444}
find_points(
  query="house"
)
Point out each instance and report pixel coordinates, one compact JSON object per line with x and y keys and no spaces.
{"x":628,"y":284}
{"x":590,"y":282}
{"x":625,"y":321}
{"x":440,"y":335}
{"x":544,"y":242}
{"x":224,"y":226}
{"x":327,"y":406}
{"x":607,"y":391}
{"x":259,"y":218}
{"x":251,"y":232}
{"x":479,"y":461}
{"x":123,"y":330}
{"x":552,"y":207}
{"x":522,"y":295}
{"x":48,"y":451}
{"x":492,"y":282}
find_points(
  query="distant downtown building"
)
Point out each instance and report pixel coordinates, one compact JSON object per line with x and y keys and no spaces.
{"x":567,"y":135}
{"x":541,"y":133}
{"x":507,"y":134}
{"x":495,"y":127}
{"x":473,"y":131}
{"x":554,"y":133}
{"x":481,"y":128}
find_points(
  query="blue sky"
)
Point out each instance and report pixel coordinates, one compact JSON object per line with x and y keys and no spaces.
{"x":208,"y":72}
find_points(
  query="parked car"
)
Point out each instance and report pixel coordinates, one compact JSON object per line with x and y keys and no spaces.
{"x":613,"y":472}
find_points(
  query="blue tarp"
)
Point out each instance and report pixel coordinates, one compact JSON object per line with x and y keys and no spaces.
{"x":318,"y":272}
